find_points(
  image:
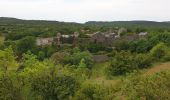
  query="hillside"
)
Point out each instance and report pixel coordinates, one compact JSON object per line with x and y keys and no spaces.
{"x":129,"y":23}
{"x":8,"y":20}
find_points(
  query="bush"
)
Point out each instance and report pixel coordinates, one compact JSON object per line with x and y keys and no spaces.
{"x":10,"y":87}
{"x":8,"y":60}
{"x":58,"y":57}
{"x":121,"y":63}
{"x":90,"y":92}
{"x":94,"y":48}
{"x":159,"y":51}
{"x":26,"y":44}
{"x":154,"y":87}
{"x":55,"y":87}
{"x":76,"y":57}
{"x":143,"y":60}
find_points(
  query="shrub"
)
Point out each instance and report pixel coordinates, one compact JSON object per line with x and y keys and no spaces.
{"x":58,"y":57}
{"x":90,"y":92}
{"x":154,"y":87}
{"x":7,"y":60}
{"x":54,"y":87}
{"x":121,"y":63}
{"x":10,"y":87}
{"x":159,"y":51}
{"x":26,"y":44}
{"x":143,"y":60}
{"x":94,"y":48}
{"x":76,"y":57}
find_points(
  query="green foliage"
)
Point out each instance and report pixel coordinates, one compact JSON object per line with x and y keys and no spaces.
{"x":10,"y":87}
{"x":48,"y":51}
{"x":26,"y":44}
{"x":41,"y":55}
{"x":55,"y":87}
{"x":121,"y":63}
{"x":154,"y":87}
{"x":29,"y":60}
{"x":126,"y":62}
{"x":159,"y":51}
{"x":82,"y":64}
{"x":58,"y":57}
{"x":90,"y":92}
{"x":69,"y":74}
{"x":77,"y":56}
{"x":94,"y":48}
{"x":143,"y":60}
{"x":7,"y":60}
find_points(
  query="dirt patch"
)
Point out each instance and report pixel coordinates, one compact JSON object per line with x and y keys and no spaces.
{"x":158,"y":68}
{"x":100,"y":58}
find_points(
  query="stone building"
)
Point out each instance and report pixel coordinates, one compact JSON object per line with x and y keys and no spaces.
{"x":105,"y":39}
{"x":143,"y":33}
{"x":58,"y":40}
{"x":45,"y":41}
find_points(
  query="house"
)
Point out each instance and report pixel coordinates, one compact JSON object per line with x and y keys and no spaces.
{"x":45,"y":41}
{"x":65,"y":36}
{"x":143,"y":34}
{"x":58,"y":40}
{"x":103,"y":38}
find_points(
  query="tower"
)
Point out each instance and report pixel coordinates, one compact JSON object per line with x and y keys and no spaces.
{"x":58,"y":39}
{"x":75,"y":38}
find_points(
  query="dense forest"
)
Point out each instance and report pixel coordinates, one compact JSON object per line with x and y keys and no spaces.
{"x":135,"y":69}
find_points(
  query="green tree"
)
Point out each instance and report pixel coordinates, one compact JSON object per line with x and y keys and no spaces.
{"x":76,"y":57}
{"x":7,"y":60}
{"x":159,"y":51}
{"x":143,"y":60}
{"x":10,"y":87}
{"x":90,"y":92}
{"x":26,"y":44}
{"x":29,"y":60}
{"x":41,"y":55}
{"x":121,"y":64}
{"x":57,"y":87}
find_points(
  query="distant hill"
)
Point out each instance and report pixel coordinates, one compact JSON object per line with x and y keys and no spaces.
{"x":129,"y":23}
{"x":9,"y":20}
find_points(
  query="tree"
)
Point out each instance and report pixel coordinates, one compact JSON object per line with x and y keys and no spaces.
{"x":90,"y":92}
{"x":26,"y":44}
{"x":143,"y":60}
{"x":7,"y":60}
{"x":121,"y":64}
{"x":41,"y":55}
{"x":76,"y":57}
{"x":159,"y":51}
{"x":57,"y":87}
{"x":58,"y":57}
{"x":29,"y":60}
{"x":94,"y":47}
{"x":10,"y":87}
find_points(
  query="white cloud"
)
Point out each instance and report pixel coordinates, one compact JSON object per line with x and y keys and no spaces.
{"x":85,"y":10}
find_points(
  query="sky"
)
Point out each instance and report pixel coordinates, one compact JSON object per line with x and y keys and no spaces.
{"x":86,"y":10}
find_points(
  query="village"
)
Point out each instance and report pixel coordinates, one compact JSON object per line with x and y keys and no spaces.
{"x":84,"y":50}
{"x":104,"y":38}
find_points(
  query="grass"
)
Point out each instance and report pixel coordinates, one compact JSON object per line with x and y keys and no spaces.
{"x":99,"y":77}
{"x":1,"y":40}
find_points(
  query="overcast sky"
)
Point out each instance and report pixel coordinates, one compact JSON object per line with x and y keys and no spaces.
{"x":87,"y":10}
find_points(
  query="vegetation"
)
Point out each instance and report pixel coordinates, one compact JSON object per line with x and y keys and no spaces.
{"x":71,"y":72}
